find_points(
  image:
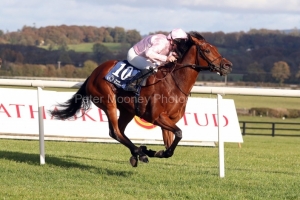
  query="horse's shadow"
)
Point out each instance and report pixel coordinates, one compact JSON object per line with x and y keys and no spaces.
{"x":33,"y":159}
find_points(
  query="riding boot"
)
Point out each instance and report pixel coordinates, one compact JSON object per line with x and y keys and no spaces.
{"x":136,"y":80}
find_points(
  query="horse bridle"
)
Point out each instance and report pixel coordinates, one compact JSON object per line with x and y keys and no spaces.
{"x":211,"y":66}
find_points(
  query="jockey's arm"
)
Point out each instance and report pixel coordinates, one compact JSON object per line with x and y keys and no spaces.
{"x":152,"y":55}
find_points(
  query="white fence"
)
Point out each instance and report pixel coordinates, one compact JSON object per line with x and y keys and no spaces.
{"x":195,"y":89}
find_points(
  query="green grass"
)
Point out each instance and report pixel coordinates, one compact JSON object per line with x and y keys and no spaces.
{"x":243,"y":101}
{"x":265,"y":127}
{"x":266,"y":102}
{"x":215,"y":77}
{"x":88,"y":47}
{"x":268,"y":119}
{"x":48,"y":88}
{"x":83,"y":47}
{"x":264,"y":168}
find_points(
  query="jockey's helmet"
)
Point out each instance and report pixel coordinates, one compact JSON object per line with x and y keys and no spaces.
{"x":177,"y":34}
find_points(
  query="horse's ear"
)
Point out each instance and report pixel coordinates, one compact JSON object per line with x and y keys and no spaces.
{"x":197,"y":41}
{"x":194,"y":39}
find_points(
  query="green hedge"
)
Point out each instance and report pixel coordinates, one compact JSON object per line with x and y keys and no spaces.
{"x":275,"y":112}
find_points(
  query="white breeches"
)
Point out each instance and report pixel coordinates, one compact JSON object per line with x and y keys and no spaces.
{"x":138,"y":61}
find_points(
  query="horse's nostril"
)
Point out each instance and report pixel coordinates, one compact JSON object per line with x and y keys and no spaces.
{"x":228,"y":65}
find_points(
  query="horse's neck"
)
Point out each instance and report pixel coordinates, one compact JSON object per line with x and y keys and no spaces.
{"x":186,"y":76}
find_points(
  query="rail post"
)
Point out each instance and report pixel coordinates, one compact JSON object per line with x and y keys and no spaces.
{"x":220,"y":138}
{"x":41,"y":125}
{"x":273,"y":129}
{"x":244,"y":128}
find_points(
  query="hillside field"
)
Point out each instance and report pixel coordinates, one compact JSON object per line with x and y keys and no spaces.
{"x":88,"y":47}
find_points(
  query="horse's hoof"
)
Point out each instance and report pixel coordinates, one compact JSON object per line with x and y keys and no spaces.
{"x":168,"y":153}
{"x":133,"y":161}
{"x":159,"y":154}
{"x":144,"y":159}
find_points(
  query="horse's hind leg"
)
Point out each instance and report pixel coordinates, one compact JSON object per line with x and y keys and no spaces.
{"x":168,"y":137}
{"x":124,"y":118}
{"x":168,"y":126}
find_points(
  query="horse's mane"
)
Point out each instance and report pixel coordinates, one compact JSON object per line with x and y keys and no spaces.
{"x":196,"y":35}
{"x":184,"y":45}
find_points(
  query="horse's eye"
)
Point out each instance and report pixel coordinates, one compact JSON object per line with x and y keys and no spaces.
{"x":207,"y":51}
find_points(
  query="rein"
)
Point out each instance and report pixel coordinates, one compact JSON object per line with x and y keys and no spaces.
{"x":196,"y":66}
{"x":193,"y":66}
{"x":210,"y":67}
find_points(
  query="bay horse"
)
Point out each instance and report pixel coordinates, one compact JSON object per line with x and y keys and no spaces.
{"x":172,"y":80}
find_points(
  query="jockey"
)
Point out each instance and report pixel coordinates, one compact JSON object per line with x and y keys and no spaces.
{"x":152,"y":51}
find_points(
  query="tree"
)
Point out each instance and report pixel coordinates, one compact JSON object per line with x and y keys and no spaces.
{"x":118,"y":33}
{"x":280,"y":71}
{"x":122,"y":53}
{"x":68,"y":71}
{"x":255,"y":72}
{"x":64,"y":57}
{"x":63,"y":47}
{"x":298,"y":73}
{"x":16,"y":70}
{"x":51,"y":71}
{"x":133,"y":36}
{"x":88,"y":67}
{"x":101,"y":52}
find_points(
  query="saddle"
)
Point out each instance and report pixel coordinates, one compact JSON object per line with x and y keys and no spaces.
{"x":124,"y":75}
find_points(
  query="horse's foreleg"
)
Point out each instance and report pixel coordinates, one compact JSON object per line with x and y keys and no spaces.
{"x":168,"y":126}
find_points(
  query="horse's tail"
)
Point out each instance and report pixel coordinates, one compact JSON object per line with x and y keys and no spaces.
{"x":80,"y":100}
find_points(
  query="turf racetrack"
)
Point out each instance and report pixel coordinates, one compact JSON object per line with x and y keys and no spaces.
{"x":264,"y":168}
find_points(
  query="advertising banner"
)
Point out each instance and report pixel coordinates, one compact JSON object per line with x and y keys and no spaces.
{"x":19,"y":120}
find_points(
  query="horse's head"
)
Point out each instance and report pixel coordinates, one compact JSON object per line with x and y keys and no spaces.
{"x":207,"y":56}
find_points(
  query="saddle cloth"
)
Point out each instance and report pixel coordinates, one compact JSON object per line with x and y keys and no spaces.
{"x":121,"y":74}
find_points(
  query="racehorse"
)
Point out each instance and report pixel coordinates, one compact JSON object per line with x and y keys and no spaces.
{"x":162,"y":101}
